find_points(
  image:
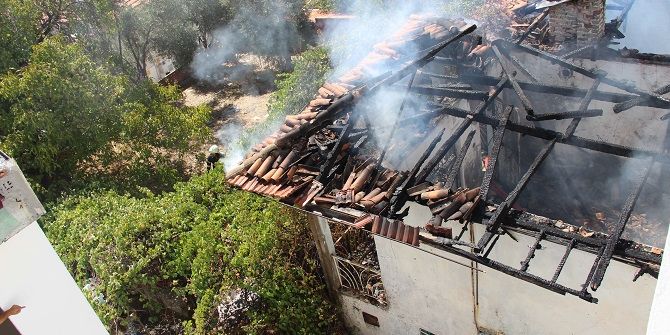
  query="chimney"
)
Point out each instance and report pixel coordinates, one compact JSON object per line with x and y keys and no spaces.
{"x":578,"y":21}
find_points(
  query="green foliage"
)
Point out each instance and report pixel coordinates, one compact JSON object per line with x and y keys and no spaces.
{"x":171,"y":256}
{"x":296,"y":89}
{"x":69,"y":123}
{"x":62,"y":108}
{"x":169,"y":28}
{"x":325,"y":5}
{"x":286,"y":20}
{"x":202,"y":15}
{"x":464,"y":8}
{"x":17,"y":32}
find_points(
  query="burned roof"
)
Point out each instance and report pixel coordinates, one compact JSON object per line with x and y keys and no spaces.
{"x":341,"y":159}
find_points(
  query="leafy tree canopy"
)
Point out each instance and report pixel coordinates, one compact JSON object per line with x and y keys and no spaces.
{"x":62,"y":108}
{"x":17,"y":32}
{"x":67,"y":117}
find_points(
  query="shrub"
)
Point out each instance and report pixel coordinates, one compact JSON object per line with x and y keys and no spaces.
{"x":169,"y":257}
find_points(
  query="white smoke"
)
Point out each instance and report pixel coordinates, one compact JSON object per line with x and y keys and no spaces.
{"x":268,"y":32}
{"x":350,"y":41}
{"x":228,"y":135}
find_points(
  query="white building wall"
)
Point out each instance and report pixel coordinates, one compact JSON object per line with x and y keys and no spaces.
{"x":659,"y":324}
{"x":34,"y":276}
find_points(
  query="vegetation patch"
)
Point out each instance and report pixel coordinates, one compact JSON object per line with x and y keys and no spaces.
{"x":174,"y":256}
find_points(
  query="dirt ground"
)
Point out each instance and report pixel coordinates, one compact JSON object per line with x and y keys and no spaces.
{"x":238,"y":94}
{"x":229,"y":105}
{"x":236,"y":107}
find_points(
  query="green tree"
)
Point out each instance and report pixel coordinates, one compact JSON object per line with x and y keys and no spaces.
{"x":136,"y":30}
{"x":69,"y":122}
{"x":271,"y":28}
{"x":170,"y":28}
{"x":17,"y":33}
{"x":201,"y":16}
{"x":60,"y":109}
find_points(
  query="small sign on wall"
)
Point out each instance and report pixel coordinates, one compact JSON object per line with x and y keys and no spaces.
{"x":19,"y":206}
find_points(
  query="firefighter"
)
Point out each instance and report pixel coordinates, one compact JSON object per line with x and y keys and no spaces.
{"x":214,"y":157}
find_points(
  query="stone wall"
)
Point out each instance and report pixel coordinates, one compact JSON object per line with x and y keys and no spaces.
{"x":577,"y":21}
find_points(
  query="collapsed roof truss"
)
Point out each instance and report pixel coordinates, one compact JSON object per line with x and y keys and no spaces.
{"x":313,"y":193}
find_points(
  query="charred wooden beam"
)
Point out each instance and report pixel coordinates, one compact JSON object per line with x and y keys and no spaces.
{"x":564,"y":259}
{"x":565,"y":115}
{"x":531,"y":252}
{"x":442,"y":151}
{"x":576,"y":141}
{"x":497,"y":144}
{"x":329,"y":162}
{"x":626,"y":105}
{"x":503,"y":208}
{"x":583,"y":106}
{"x":449,"y":93}
{"x":619,"y":228}
{"x":456,"y":167}
{"x":547,"y":89}
{"x":400,"y":194}
{"x":510,"y":73}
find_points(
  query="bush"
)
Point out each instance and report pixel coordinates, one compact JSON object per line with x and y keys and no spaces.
{"x":297,"y":88}
{"x":170,"y":257}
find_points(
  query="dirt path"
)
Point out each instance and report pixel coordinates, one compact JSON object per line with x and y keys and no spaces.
{"x":234,"y":110}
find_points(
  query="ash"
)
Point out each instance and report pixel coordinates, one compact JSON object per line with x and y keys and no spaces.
{"x":234,"y":306}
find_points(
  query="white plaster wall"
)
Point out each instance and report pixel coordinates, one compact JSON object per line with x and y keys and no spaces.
{"x":658,"y":318}
{"x":423,"y":291}
{"x":429,"y":292}
{"x":34,"y":276}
